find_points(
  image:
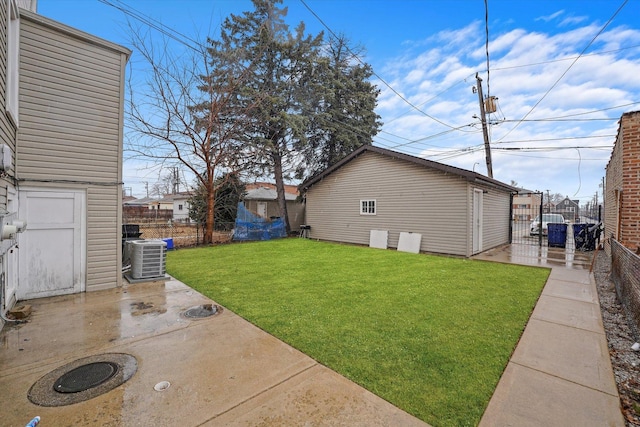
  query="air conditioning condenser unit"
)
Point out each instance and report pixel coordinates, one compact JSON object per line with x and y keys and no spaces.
{"x":148,"y":258}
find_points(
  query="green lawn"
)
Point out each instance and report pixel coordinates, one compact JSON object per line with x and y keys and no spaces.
{"x":429,"y":334}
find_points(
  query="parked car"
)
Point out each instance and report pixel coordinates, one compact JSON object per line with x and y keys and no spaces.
{"x":546,"y":219}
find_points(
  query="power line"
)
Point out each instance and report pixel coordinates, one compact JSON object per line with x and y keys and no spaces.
{"x":568,"y":68}
{"x":568,"y":138}
{"x":604,"y":119}
{"x":595,"y":147}
{"x":551,"y":61}
{"x":529,"y":156}
{"x":373,"y":71}
{"x":156,"y":25}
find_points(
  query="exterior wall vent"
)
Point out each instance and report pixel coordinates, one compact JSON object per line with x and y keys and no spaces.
{"x":148,"y":258}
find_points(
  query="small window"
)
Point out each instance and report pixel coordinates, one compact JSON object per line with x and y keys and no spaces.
{"x":367,"y":207}
{"x":179,"y":207}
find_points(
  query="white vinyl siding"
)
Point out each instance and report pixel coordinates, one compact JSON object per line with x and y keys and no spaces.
{"x":409,"y":198}
{"x":71,"y":119}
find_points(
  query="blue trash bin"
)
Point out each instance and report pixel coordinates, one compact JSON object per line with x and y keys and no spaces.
{"x":592,"y":233}
{"x":169,"y":243}
{"x":557,"y":235}
{"x":580,"y":235}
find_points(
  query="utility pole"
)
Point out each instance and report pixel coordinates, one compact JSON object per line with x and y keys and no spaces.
{"x":485,"y":133}
{"x":548,"y":202}
{"x":176,"y":181}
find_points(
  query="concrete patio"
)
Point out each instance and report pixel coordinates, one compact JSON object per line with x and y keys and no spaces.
{"x":222,"y":370}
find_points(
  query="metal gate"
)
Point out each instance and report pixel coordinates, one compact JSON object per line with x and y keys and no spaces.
{"x":526,"y":210}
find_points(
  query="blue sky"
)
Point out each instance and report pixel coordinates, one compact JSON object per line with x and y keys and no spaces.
{"x":551,"y":63}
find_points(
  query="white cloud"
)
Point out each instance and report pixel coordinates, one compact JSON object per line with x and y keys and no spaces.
{"x":550,"y":17}
{"x":572,"y":20}
{"x":525,"y":66}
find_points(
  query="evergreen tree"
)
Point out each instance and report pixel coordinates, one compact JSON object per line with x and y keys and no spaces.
{"x":229,"y":191}
{"x":344,"y":117}
{"x":302,"y":110}
{"x":276,"y":94}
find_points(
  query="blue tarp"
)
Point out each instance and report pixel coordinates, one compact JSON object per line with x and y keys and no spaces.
{"x":250,"y":226}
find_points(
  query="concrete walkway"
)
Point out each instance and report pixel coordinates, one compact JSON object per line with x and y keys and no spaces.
{"x":560,"y":373}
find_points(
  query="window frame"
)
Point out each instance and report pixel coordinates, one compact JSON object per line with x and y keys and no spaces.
{"x":371,"y":207}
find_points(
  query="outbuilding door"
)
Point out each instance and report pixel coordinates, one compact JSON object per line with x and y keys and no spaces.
{"x":262,"y":209}
{"x":52,"y":249}
{"x":477,"y":221}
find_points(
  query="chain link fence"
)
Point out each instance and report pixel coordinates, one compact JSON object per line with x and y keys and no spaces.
{"x":625,"y":274}
{"x":525,"y":208}
{"x":183,"y":234}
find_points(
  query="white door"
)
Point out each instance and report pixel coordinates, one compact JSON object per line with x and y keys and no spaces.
{"x":477,"y":221}
{"x":262,"y":209}
{"x":52,"y":249}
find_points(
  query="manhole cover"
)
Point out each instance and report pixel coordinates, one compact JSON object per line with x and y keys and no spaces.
{"x":201,"y":311}
{"x":85,"y":377}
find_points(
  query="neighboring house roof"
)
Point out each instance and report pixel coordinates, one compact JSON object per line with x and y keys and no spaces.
{"x":169,"y":198}
{"x":139,"y":202}
{"x":463,"y":173}
{"x":263,"y":193}
{"x":288,"y":189}
{"x":563,"y":202}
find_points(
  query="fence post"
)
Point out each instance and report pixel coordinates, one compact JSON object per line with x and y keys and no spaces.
{"x":540,"y":216}
{"x":511,"y":217}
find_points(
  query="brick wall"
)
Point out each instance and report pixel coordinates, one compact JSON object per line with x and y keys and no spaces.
{"x":622,"y":193}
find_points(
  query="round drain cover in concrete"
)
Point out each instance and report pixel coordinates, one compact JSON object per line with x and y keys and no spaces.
{"x":83,"y":379}
{"x":202,"y":311}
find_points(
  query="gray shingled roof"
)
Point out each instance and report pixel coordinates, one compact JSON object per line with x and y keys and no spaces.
{"x":466,"y":174}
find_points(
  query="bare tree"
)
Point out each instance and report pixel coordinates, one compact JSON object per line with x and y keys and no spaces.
{"x":165,"y":185}
{"x":185,"y":117}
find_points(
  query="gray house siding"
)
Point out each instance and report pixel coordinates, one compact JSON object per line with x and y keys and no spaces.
{"x":412,"y":195}
{"x":71,"y":119}
{"x":7,"y":128}
{"x":103,"y":237}
{"x":8,"y":137}
{"x":70,"y":106}
{"x":408,"y":198}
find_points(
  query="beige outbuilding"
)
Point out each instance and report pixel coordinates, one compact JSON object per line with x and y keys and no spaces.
{"x":456,"y":211}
